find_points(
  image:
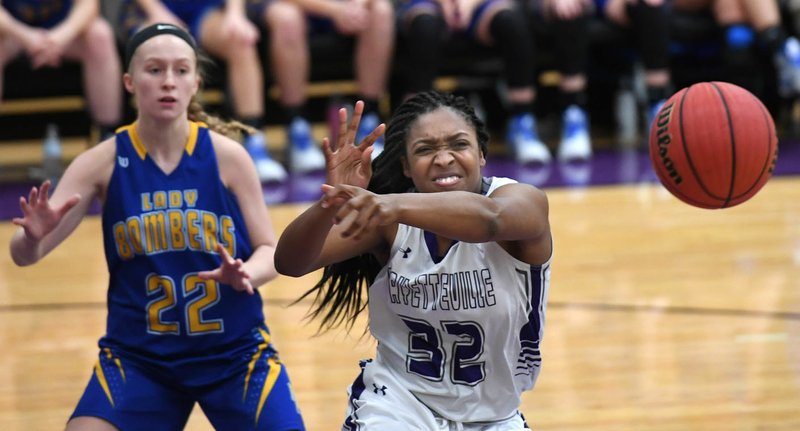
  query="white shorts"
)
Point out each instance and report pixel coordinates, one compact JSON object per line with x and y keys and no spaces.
{"x":373,"y":407}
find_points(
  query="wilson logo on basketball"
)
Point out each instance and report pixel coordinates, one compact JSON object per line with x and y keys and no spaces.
{"x":713,"y":145}
{"x":664,"y":140}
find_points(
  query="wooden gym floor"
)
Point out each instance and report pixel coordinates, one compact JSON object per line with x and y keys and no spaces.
{"x":661,"y":317}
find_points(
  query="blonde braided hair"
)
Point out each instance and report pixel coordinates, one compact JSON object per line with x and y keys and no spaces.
{"x":230,"y":128}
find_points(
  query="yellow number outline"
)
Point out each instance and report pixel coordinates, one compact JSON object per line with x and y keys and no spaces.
{"x":193,"y":310}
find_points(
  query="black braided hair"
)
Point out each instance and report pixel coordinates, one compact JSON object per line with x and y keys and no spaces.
{"x":338,"y":293}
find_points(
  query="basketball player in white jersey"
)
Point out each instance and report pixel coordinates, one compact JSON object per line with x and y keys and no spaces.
{"x":457,"y":268}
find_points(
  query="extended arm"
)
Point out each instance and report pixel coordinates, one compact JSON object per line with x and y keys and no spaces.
{"x":515,"y":216}
{"x":47,"y":222}
{"x":514,"y":212}
{"x":239,"y":175}
{"x":312,"y":241}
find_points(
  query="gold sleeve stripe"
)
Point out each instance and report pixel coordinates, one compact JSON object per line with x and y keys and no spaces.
{"x":191,"y":142}
{"x":101,"y":377}
{"x":137,"y":143}
{"x":272,"y":376}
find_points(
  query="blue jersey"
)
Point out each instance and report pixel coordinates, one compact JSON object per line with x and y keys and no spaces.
{"x":38,"y":13}
{"x":174,"y":340}
{"x":159,"y":231}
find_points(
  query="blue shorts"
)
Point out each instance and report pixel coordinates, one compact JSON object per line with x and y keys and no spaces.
{"x":140,"y":395}
{"x":41,"y":13}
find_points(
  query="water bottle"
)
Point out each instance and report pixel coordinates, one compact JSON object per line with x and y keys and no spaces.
{"x":51,"y":155}
{"x":627,"y":115}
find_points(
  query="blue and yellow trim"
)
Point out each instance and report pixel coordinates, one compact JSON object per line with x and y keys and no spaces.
{"x":272,"y":376}
{"x":141,"y":150}
{"x":261,"y":348}
{"x":274,"y":370}
{"x":101,"y":375}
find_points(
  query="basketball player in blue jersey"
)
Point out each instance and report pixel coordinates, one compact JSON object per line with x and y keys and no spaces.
{"x":50,"y":32}
{"x":188,"y":239}
{"x":457,"y":267}
{"x":223,"y":29}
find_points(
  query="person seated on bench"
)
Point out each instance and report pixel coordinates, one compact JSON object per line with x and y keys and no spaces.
{"x":425,"y":24}
{"x":50,"y":33}
{"x":223,"y":30}
{"x":749,"y":24}
{"x":291,"y":23}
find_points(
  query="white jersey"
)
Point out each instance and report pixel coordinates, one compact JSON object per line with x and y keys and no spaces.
{"x":461,"y":331}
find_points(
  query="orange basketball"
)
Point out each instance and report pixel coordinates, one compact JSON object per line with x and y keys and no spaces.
{"x":713,"y":145}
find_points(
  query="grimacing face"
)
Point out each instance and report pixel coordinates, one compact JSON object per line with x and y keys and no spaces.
{"x":442,"y":153}
{"x":163,"y":77}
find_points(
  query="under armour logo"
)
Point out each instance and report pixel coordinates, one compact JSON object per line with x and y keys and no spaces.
{"x":405,"y":252}
{"x":123,"y":161}
{"x":382,"y":389}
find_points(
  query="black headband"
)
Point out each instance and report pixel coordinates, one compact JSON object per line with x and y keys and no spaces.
{"x":154,"y":30}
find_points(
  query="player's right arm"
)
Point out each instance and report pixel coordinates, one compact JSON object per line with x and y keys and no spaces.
{"x":312,"y":241}
{"x":46,"y":222}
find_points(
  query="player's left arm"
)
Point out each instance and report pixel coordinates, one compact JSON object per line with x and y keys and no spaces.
{"x":238,"y":173}
{"x":514,"y":215}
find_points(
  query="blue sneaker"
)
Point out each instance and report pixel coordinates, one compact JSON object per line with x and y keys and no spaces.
{"x":575,"y":142}
{"x":787,"y":63}
{"x":268,"y":169}
{"x":304,"y":154}
{"x":524,"y":141}
{"x":368,"y":123}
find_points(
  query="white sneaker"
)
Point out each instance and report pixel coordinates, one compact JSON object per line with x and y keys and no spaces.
{"x":575,"y":143}
{"x":377,"y":149}
{"x":268,"y":169}
{"x":524,"y":140}
{"x":304,"y":154}
{"x":306,"y":159}
{"x":368,"y":123}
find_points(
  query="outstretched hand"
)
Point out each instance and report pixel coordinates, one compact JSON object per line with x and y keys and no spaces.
{"x":358,"y":211}
{"x":38,"y":217}
{"x":230,"y":272}
{"x":350,"y":162}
